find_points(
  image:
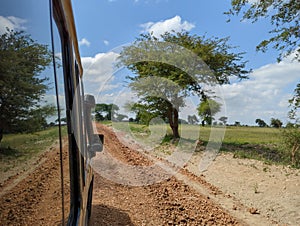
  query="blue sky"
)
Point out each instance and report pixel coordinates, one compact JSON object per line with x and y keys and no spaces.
{"x":120,"y":22}
{"x":103,"y":26}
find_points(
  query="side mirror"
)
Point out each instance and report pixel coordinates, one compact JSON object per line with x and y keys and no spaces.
{"x":96,"y":145}
{"x":95,"y":141}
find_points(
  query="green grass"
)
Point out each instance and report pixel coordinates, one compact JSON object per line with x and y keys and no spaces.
{"x":17,"y":148}
{"x":252,"y":135}
{"x":233,"y":135}
{"x":264,"y":144}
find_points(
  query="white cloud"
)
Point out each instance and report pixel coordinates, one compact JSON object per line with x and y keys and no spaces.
{"x":98,"y":73}
{"x":169,"y":25}
{"x":106,"y":42}
{"x":264,"y":95}
{"x":99,"y":67}
{"x":12,"y":23}
{"x":84,"y":42}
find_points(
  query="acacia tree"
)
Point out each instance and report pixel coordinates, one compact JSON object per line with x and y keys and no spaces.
{"x":260,"y":122}
{"x":223,"y":119}
{"x":105,"y":111}
{"x":207,"y":109}
{"x":21,"y":86}
{"x":143,"y":112}
{"x":237,"y":123}
{"x":177,"y":73}
{"x":276,"y":123}
{"x":284,"y":16}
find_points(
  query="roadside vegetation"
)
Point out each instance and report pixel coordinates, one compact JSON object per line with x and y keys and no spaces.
{"x":264,"y":144}
{"x":16,"y":149}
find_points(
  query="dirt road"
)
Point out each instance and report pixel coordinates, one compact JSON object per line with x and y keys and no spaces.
{"x":169,"y":202}
{"x":33,"y":197}
{"x":181,"y":199}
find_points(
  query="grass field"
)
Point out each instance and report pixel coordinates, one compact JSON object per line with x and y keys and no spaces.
{"x":232,"y":134}
{"x":17,"y":148}
{"x":263,"y":144}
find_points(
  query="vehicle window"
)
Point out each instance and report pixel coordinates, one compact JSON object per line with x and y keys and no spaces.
{"x":30,"y":173}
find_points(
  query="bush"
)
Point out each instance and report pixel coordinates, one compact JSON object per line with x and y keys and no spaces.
{"x":291,"y":139}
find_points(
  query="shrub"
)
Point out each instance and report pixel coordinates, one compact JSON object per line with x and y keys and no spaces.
{"x":291,"y":139}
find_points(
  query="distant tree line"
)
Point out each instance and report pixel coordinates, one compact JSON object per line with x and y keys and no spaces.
{"x":206,"y":111}
{"x":276,"y":123}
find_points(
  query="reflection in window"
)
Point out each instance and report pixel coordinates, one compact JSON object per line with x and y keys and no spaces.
{"x":29,"y":163}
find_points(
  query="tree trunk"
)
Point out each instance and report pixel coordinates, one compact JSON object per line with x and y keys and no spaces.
{"x":173,"y":121}
{"x":175,"y":132}
{"x":176,"y":124}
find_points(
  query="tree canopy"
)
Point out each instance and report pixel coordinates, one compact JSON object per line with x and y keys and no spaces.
{"x":108,"y":112}
{"x":207,"y":109}
{"x":284,"y":16}
{"x":261,"y":123}
{"x":276,"y":123}
{"x":223,"y":119}
{"x":168,"y":69}
{"x":105,"y":111}
{"x":144,"y":112}
{"x":21,"y":85}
